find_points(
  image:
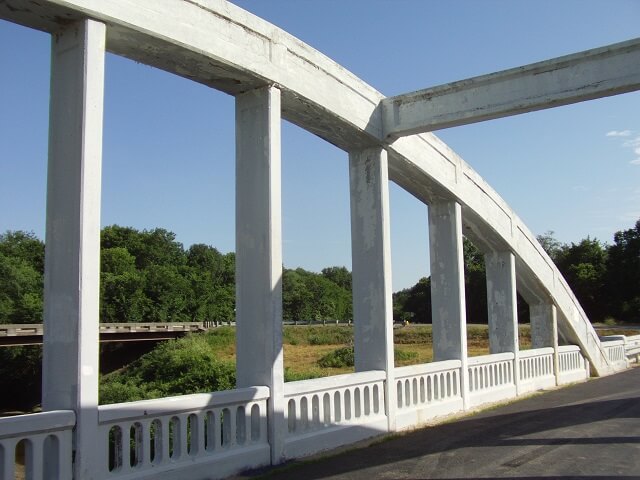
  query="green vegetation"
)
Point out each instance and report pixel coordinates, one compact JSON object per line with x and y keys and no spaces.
{"x":188,"y":365}
{"x":147,"y":276}
{"x":342,"y":357}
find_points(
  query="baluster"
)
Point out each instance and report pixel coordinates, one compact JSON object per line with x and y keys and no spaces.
{"x":164,"y":439}
{"x":8,"y":452}
{"x":144,"y":437}
{"x":37,"y":457}
{"x":327,"y":402}
{"x":216,"y":425}
{"x":184,"y":436}
{"x":232,"y":428}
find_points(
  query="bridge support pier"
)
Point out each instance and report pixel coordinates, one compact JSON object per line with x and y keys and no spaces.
{"x":448,"y":312}
{"x":502,"y":305}
{"x":371,"y":254}
{"x":259,"y":358}
{"x":544,"y":330}
{"x":72,"y":262}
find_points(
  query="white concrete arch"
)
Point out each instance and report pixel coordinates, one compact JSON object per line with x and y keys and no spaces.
{"x":218,"y":44}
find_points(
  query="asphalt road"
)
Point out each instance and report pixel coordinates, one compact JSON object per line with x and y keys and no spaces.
{"x":586,"y":431}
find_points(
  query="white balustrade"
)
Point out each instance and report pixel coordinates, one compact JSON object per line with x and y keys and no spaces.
{"x":614,"y":348}
{"x":324,"y":413}
{"x":572,"y":365}
{"x":426,"y":391}
{"x":632,"y":348}
{"x":36,"y":446}
{"x":536,"y":369}
{"x":212,"y":434}
{"x":491,"y":378}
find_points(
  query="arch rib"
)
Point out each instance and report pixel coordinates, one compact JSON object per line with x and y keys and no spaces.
{"x":220,"y":45}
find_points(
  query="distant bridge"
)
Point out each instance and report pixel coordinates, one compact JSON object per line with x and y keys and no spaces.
{"x":274,"y":76}
{"x":32,"y":334}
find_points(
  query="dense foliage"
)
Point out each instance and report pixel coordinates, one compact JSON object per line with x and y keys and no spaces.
{"x":147,"y":276}
{"x":187,"y":365}
{"x":605,"y":279}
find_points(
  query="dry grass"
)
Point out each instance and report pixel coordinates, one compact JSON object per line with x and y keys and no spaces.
{"x":301,"y":357}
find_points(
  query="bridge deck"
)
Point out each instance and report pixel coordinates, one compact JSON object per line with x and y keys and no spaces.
{"x":587,"y":430}
{"x":31,"y":334}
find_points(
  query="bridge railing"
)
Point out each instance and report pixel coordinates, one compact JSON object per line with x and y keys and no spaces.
{"x":325,"y":413}
{"x":220,"y":433}
{"x":572,"y":366}
{"x":536,"y":369}
{"x":632,"y":348}
{"x":427,"y":391}
{"x":209,"y":434}
{"x":491,"y":378}
{"x":615,"y":349}
{"x":36,"y":446}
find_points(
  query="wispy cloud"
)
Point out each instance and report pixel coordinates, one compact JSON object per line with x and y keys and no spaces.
{"x":619,"y":133}
{"x":632,"y":143}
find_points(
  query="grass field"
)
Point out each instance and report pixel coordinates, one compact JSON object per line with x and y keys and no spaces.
{"x":304,"y":346}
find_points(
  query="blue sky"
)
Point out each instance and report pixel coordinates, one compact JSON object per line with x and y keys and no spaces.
{"x":169,"y":144}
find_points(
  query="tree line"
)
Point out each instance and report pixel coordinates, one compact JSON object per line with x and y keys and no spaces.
{"x":147,"y":276}
{"x":604,"y":277}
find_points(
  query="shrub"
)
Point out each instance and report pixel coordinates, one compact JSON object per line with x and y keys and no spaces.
{"x":340,"y":358}
{"x":179,"y":367}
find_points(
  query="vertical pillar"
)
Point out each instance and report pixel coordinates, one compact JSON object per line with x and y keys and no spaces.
{"x":72,"y":261}
{"x":448,"y":313}
{"x":259,"y":253}
{"x":544,"y":330}
{"x":502,"y":305}
{"x":371,"y":257}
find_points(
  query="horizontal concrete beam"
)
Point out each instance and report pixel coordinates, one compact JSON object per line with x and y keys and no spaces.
{"x":596,"y":73}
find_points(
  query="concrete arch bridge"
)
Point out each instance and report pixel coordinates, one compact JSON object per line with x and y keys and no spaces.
{"x":272,"y":76}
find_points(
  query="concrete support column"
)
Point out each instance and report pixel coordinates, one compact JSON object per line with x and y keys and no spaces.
{"x":72,"y":261}
{"x":371,"y":257}
{"x":259,"y":253}
{"x":544,"y":330}
{"x":448,"y":312}
{"x":502,"y":305}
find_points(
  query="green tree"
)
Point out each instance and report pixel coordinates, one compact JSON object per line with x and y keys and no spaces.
{"x":414,"y":303}
{"x":623,"y":275}
{"x":584,"y":267}
{"x":122,"y":297}
{"x":475,"y":283}
{"x":338,"y":275}
{"x":21,"y":277}
{"x":550,"y":244}
{"x":168,"y":292}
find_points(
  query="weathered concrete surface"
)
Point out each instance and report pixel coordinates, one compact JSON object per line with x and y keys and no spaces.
{"x":596,"y":73}
{"x":590,"y":430}
{"x":371,"y":254}
{"x":72,"y":260}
